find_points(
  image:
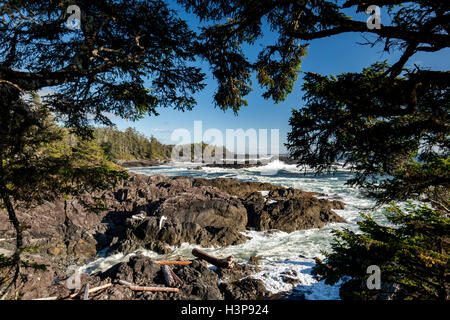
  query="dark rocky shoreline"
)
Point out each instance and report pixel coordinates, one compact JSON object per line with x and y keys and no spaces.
{"x":141,"y":163}
{"x":236,"y":164}
{"x":155,"y":212}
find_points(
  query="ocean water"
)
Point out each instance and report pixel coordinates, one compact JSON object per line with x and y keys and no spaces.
{"x":281,"y":253}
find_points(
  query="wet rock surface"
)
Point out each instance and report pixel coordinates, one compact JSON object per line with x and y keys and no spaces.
{"x":245,"y":289}
{"x":292,"y":214}
{"x":154,"y":212}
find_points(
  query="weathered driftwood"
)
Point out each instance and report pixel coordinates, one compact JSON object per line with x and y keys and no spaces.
{"x":107,"y":285}
{"x":154,"y":289}
{"x":92,"y":290}
{"x":168,"y":278}
{"x":74,"y":295}
{"x":86,"y":292}
{"x":47,"y":298}
{"x":227,"y":263}
{"x":126,"y":283}
{"x":176,"y":278}
{"x":179,"y":263}
{"x":134,"y":287}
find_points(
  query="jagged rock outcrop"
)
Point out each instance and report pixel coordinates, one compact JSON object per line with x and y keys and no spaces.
{"x":245,"y":289}
{"x":292,"y":213}
{"x":142,"y":163}
{"x":156,"y":211}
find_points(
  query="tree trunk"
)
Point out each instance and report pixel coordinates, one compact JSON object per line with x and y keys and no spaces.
{"x":13,"y":219}
{"x":19,"y":235}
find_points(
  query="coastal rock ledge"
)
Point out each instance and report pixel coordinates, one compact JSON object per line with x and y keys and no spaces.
{"x":154,"y":212}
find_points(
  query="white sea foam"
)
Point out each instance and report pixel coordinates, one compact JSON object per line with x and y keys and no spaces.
{"x":264,"y":193}
{"x":273,"y":167}
{"x":301,"y":282}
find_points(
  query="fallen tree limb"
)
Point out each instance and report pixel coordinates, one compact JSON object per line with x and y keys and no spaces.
{"x":168,"y":277}
{"x":176,"y":278}
{"x":179,"y":263}
{"x":47,"y":298}
{"x":153,"y":289}
{"x":86,"y":292}
{"x":226,"y":263}
{"x":92,"y":290}
{"x":126,"y":283}
{"x":100,"y":288}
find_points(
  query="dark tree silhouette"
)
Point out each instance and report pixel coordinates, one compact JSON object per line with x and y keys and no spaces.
{"x":127,"y":59}
{"x":417,"y":26}
{"x":388,"y":123}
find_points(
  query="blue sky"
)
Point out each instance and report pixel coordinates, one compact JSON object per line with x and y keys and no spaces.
{"x":331,"y":55}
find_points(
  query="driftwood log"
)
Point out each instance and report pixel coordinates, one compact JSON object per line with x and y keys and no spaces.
{"x":226,"y":263}
{"x":89,"y":291}
{"x":107,"y":285}
{"x":154,"y":289}
{"x":126,"y":283}
{"x":86,"y":292}
{"x":134,"y":287}
{"x":176,"y":278}
{"x":47,"y":298}
{"x":168,"y":278}
{"x":178,"y":263}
